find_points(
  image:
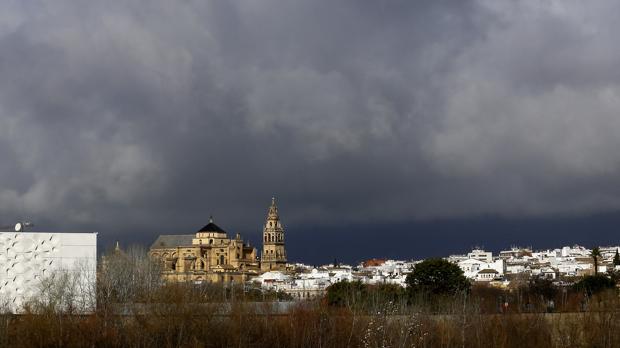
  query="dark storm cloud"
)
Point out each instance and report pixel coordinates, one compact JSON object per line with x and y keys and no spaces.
{"x":150,"y":115}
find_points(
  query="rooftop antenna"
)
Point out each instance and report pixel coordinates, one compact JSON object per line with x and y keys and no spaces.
{"x":21,"y":226}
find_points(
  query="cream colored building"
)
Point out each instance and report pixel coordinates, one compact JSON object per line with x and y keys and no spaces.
{"x":209,"y":255}
{"x":274,"y":253}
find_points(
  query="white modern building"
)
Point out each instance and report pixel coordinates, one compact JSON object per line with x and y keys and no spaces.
{"x":472,"y":267}
{"x":481,"y":255}
{"x":29,"y":259}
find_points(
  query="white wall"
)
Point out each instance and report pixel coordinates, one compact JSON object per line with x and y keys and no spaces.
{"x":471,"y":267}
{"x":27,"y":258}
{"x":481,"y":255}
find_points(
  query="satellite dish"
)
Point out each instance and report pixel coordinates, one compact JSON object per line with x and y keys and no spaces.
{"x":18,"y":227}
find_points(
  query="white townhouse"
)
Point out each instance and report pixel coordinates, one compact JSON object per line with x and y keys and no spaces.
{"x":472,"y":267}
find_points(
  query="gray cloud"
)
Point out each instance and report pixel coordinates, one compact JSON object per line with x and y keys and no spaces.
{"x":151,"y":115}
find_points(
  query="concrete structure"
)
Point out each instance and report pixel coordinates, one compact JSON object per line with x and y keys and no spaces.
{"x":608,"y":252}
{"x":515,"y":253}
{"x":472,"y":267}
{"x":486,"y":275}
{"x":481,"y":255}
{"x":28,"y":258}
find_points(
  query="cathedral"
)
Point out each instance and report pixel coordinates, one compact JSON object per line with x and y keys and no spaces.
{"x":210,"y":255}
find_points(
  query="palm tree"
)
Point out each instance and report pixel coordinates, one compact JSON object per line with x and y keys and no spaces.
{"x":596,"y":253}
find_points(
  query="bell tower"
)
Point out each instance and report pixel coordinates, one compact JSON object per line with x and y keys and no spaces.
{"x":274,"y":254}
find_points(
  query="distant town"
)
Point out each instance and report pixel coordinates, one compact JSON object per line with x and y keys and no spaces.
{"x":211,"y":281}
{"x":209,"y":255}
{"x":563,"y":265}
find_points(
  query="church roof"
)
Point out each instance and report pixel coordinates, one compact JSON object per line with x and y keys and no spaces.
{"x":172,"y":240}
{"x":211,"y":227}
{"x":488,"y":271}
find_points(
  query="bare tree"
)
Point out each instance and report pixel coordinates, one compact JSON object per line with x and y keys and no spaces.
{"x":128,"y":277}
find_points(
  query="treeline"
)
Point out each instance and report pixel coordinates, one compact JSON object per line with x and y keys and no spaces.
{"x":136,"y":309}
{"x":438,"y":286}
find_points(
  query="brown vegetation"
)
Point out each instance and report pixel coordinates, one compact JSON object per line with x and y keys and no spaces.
{"x":135,"y":309}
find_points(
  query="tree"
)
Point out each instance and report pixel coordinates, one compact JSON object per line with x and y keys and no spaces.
{"x":543,"y":287}
{"x":437,"y":277}
{"x":596,"y":253}
{"x":617,"y":259}
{"x":595,"y":284}
{"x":346,"y":294}
{"x":127,"y":277}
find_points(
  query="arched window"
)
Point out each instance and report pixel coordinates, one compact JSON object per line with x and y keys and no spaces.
{"x":210,"y":241}
{"x":221,"y":259}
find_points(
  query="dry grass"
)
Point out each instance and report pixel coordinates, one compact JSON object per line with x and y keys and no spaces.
{"x":315,"y":325}
{"x":148,"y":313}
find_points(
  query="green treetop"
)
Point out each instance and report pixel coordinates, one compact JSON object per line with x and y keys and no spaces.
{"x":437,"y":277}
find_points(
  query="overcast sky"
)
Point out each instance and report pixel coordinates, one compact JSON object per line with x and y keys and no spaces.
{"x":139,"y":118}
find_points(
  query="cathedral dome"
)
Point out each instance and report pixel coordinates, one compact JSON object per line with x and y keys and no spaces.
{"x":211,"y":227}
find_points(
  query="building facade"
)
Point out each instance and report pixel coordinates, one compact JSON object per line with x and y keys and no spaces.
{"x":207,"y":255}
{"x":28,"y":258}
{"x":274,"y":252}
{"x":210,"y":255}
